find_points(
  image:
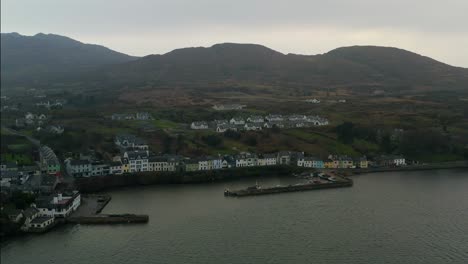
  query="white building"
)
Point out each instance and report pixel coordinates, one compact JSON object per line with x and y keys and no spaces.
{"x":59,"y":205}
{"x":199,"y":125}
{"x":163,"y":163}
{"x":246,"y":160}
{"x":253,"y":126}
{"x":225,"y":127}
{"x":130,"y":142}
{"x":78,"y":168}
{"x":267,"y":160}
{"x":255,"y":119}
{"x":237,"y":121}
{"x":138,"y":160}
{"x":310,"y":162}
{"x":115,"y":168}
{"x":274,"y":118}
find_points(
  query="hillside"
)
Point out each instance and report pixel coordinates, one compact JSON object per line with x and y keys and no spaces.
{"x":46,"y":57}
{"x":352,"y":67}
{"x":51,"y":59}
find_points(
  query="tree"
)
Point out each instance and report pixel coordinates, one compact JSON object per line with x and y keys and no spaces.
{"x":212,"y":140}
{"x":345,"y":132}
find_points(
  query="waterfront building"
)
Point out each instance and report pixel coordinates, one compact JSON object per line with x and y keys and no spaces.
{"x":29,"y":215}
{"x":228,"y":162}
{"x":115,"y":168}
{"x":246,"y":160}
{"x":342,"y":161}
{"x":41,"y":223}
{"x":310,"y":162}
{"x":78,"y":168}
{"x":331,"y":164}
{"x":391,"y":160}
{"x":267,"y":159}
{"x":58,"y":205}
{"x":362,"y":162}
{"x":137,"y":159}
{"x":191,"y":165}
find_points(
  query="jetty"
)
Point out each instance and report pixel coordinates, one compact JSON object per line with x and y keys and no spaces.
{"x":109,"y":219}
{"x":322,"y":182}
{"x":90,"y":213}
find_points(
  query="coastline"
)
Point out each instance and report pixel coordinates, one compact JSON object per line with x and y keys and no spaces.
{"x":102,"y":183}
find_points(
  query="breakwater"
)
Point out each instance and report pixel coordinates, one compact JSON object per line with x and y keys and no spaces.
{"x":289,"y":188}
{"x":419,"y":167}
{"x":109,"y":219}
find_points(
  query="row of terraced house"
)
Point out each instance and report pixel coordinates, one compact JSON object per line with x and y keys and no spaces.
{"x":135,"y":157}
{"x":261,"y":122}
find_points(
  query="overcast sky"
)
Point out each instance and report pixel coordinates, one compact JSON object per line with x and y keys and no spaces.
{"x":435,"y":28}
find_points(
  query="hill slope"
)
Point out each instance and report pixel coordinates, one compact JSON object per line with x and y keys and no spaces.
{"x":359,"y":66}
{"x":48,"y":59}
{"x":45,"y":57}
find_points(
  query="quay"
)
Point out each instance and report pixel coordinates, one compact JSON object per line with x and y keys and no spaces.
{"x":109,"y":219}
{"x":90,"y":212}
{"x":335,"y":182}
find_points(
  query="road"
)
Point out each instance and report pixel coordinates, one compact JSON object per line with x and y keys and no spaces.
{"x":34,"y":141}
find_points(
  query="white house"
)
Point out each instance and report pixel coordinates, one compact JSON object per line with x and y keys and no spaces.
{"x":246,"y":160}
{"x":225,"y":127}
{"x":278,"y":124}
{"x":56,"y":129}
{"x":237,"y":121}
{"x":274,"y":118}
{"x":99,"y":168}
{"x":59,"y":205}
{"x":228,"y":107}
{"x":255,"y":119}
{"x":399,"y":161}
{"x":130,"y":142}
{"x":41,"y":222}
{"x":115,"y":168}
{"x":310,"y":162}
{"x":313,"y":101}
{"x":317,"y":121}
{"x":78,"y":168}
{"x":267,"y":160}
{"x":29,"y":215}
{"x":199,"y":125}
{"x":163,"y":163}
{"x":296,"y":117}
{"x":138,"y":160}
{"x":253,"y":126}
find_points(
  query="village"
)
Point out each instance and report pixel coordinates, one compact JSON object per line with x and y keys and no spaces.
{"x":56,"y":201}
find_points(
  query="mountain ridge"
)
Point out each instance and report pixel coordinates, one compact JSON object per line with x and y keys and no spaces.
{"x":352,"y":66}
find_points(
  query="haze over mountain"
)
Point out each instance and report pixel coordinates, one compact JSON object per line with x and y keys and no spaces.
{"x":44,"y":58}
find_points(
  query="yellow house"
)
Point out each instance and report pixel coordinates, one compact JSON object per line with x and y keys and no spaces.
{"x":330,"y":164}
{"x":125,"y":168}
{"x":363,"y":163}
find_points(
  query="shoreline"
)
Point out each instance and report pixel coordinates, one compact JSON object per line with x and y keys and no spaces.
{"x":110,"y":182}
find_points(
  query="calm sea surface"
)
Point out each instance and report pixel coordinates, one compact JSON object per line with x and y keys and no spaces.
{"x":398,"y":217}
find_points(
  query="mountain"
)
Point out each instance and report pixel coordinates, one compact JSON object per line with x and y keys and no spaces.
{"x":353,"y":67}
{"x":46,"y":57}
